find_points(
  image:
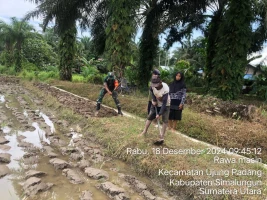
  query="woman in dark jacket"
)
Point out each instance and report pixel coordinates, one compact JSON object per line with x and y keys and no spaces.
{"x":178,"y":95}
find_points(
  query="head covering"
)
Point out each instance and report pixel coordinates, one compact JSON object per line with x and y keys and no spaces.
{"x":155,"y":81}
{"x":177,"y":85}
{"x":156,"y":72}
{"x":110,"y":74}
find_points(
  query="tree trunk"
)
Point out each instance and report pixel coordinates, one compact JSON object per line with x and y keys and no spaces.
{"x":148,"y":48}
{"x":67,"y":52}
{"x":211,"y":44}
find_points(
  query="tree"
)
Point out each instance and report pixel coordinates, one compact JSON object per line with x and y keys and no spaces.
{"x":15,"y":35}
{"x":39,"y":52}
{"x":119,"y":33}
{"x":65,"y":13}
{"x":87,"y":48}
{"x":234,"y":41}
{"x":52,"y":38}
{"x":160,"y":15}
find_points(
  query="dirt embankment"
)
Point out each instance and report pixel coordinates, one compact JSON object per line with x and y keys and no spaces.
{"x":77,"y":104}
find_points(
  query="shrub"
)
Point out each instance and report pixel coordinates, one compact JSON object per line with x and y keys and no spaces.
{"x":44,"y":75}
{"x":97,"y":79}
{"x":260,"y":86}
{"x":11,"y":71}
{"x":89,"y":71}
{"x":78,"y":78}
{"x":131,"y":74}
{"x":29,"y":66}
{"x":28,"y":75}
{"x":3,"y":69}
{"x":51,"y":68}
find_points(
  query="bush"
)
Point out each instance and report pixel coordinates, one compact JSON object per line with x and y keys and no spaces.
{"x":28,"y":75}
{"x":97,"y":79}
{"x":44,"y":75}
{"x":89,"y":71}
{"x":78,"y":78}
{"x":131,"y":74}
{"x":11,"y":71}
{"x":29,"y":66}
{"x":166,"y":76}
{"x":51,"y":68}
{"x":3,"y":69}
{"x":260,"y":86}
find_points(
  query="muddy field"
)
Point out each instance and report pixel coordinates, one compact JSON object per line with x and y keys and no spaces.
{"x":39,"y":159}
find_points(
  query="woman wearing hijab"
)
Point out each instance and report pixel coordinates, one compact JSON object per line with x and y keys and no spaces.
{"x":177,"y":95}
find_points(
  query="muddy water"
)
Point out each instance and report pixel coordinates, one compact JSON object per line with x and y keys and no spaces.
{"x":26,"y":126}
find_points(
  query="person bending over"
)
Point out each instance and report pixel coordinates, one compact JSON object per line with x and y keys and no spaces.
{"x":160,"y":106}
{"x":110,"y":86}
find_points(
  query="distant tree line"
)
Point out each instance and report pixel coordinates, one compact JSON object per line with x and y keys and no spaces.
{"x":232,"y":30}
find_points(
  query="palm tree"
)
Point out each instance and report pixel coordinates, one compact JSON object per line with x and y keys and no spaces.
{"x":157,"y":17}
{"x":14,"y":35}
{"x":5,"y":36}
{"x":65,"y":13}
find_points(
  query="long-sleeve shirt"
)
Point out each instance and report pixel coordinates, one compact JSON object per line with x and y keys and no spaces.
{"x":178,"y":98}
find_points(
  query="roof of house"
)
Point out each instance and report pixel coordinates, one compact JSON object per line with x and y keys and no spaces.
{"x":262,"y":59}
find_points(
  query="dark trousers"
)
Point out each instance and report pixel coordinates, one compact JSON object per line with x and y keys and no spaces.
{"x":102,"y":93}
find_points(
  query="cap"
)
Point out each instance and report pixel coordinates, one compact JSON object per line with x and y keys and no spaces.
{"x":155,"y":81}
{"x":156,"y":72}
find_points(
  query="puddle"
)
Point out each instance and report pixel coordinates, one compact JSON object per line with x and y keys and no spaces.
{"x":2,"y":99}
{"x":7,"y":190}
{"x":25,"y":113}
{"x":15,"y":151}
{"x":35,"y":137}
{"x":6,"y":129}
{"x":48,"y":122}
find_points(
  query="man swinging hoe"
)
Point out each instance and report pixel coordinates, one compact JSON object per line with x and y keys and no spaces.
{"x":161,"y":106}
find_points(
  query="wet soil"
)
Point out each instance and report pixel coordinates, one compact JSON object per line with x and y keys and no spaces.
{"x":40,"y":161}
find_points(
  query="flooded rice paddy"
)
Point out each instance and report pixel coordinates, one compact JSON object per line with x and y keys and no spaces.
{"x":39,"y":161}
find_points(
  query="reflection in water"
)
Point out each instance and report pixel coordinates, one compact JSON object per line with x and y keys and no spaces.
{"x":15,"y":151}
{"x":6,"y":129}
{"x":25,"y":113}
{"x":7,"y":190}
{"x":2,"y":99}
{"x":35,"y":137}
{"x":48,"y":122}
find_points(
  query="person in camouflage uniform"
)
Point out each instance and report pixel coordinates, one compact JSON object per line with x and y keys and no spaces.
{"x":110,"y":87}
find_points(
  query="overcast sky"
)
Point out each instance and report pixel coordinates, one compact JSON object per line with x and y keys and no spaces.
{"x":19,"y":8}
{"x":16,"y":8}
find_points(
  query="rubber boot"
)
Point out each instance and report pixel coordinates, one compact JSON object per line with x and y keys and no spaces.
{"x":98,"y":106}
{"x":97,"y":109}
{"x":119,"y":111}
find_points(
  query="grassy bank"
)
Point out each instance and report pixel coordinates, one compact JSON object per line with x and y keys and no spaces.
{"x":119,"y":134}
{"x":220,"y":131}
